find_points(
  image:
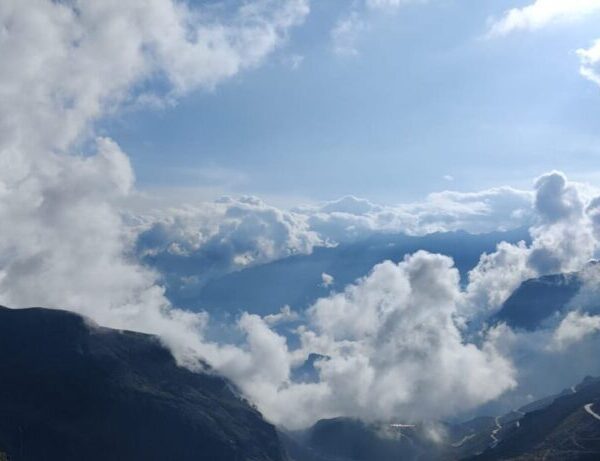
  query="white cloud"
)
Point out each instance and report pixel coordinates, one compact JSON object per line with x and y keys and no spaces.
{"x":590,"y":62}
{"x":285,"y":314}
{"x":345,"y":34}
{"x":562,"y":241}
{"x":350,"y":218}
{"x":574,"y":328}
{"x":201,"y":241}
{"x":327,"y":279}
{"x":541,"y":13}
{"x":229,"y":234}
{"x":495,"y":277}
{"x":394,"y":347}
{"x":543,"y":365}
{"x":391,"y":347}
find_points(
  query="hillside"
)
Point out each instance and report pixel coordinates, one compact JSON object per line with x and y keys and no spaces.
{"x":71,"y":391}
{"x":566,"y":429}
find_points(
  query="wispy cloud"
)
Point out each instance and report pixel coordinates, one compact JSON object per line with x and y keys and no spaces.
{"x":542,"y":13}
{"x":346,"y":32}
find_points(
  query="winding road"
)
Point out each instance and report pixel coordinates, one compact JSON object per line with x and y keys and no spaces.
{"x":591,"y":412}
{"x":461,"y":442}
{"x":495,"y":431}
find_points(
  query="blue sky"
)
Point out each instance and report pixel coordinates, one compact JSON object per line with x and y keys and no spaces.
{"x":424,"y":96}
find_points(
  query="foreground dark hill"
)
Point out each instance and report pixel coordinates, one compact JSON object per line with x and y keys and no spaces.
{"x":69,"y":391}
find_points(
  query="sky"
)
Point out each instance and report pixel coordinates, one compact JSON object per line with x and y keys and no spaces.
{"x":122,"y":121}
{"x":403,"y":101}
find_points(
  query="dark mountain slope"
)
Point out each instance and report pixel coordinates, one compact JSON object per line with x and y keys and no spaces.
{"x":563,"y":430}
{"x":538,"y":299}
{"x":69,"y":391}
{"x":345,"y":439}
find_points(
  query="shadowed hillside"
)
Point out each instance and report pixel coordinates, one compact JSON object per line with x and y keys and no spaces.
{"x":70,"y":391}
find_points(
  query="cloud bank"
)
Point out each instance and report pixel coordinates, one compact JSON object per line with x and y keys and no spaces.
{"x":192,"y":244}
{"x":213,"y":239}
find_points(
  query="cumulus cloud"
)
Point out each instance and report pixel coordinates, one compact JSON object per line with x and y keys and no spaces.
{"x":351,"y":218}
{"x":389,"y":346}
{"x":196,"y":243}
{"x":562,"y":241}
{"x":495,"y":277}
{"x":582,"y":318}
{"x":574,"y":327}
{"x":541,"y":13}
{"x":191,"y":244}
{"x":590,"y":62}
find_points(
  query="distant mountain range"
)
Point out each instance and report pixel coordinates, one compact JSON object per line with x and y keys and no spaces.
{"x":71,"y":392}
{"x":296,"y":280}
